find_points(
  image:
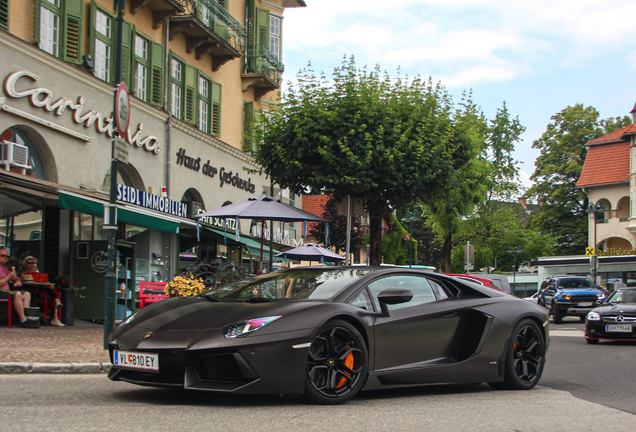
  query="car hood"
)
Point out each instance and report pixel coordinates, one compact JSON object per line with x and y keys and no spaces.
{"x":199,"y":313}
{"x":625,"y":308}
{"x":578,"y":291}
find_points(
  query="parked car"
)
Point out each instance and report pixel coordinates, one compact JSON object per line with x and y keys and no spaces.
{"x":614,"y":319}
{"x":534,"y":298}
{"x":330,"y":332}
{"x":569,"y":296}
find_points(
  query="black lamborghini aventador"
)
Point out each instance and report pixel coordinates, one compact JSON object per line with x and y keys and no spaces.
{"x":329,"y":332}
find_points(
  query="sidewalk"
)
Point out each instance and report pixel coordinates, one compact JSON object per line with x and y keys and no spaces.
{"x":49,"y":349}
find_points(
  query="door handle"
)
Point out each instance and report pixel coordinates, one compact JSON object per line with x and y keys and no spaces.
{"x":450,"y":315}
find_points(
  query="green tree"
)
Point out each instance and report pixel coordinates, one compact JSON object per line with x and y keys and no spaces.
{"x":491,"y":173}
{"x":557,"y":170}
{"x":385,"y":140}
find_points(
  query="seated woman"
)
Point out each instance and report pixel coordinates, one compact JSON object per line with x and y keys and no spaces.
{"x":30,"y":265}
{"x":20,"y":299}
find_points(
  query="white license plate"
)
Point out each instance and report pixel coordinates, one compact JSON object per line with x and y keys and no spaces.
{"x":624,"y":328}
{"x":136,"y":360}
{"x":583,"y":304}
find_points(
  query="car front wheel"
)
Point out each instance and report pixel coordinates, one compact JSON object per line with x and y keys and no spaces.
{"x":557,"y":315}
{"x":337,"y":364}
{"x":525,"y":357}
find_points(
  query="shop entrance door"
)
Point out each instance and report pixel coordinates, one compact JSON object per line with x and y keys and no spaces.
{"x":89,"y":265}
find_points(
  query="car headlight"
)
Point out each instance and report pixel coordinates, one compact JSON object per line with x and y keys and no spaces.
{"x":243,"y":328}
{"x":593,"y":316}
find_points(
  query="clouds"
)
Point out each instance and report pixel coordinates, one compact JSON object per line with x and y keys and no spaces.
{"x":462,"y":41}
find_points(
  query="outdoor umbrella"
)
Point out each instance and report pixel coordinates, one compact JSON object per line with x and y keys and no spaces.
{"x":311,"y":252}
{"x":263,"y":207}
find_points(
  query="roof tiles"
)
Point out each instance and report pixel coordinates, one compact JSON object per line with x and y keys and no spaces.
{"x":605,"y":164}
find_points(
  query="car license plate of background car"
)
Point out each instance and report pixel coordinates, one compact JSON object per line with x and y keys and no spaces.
{"x":135,"y":360}
{"x":585,"y":304}
{"x":618,"y":328}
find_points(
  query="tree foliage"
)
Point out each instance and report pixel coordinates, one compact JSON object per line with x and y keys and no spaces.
{"x":395,"y":245}
{"x":558,"y":168}
{"x":338,"y":228}
{"x":491,"y":174}
{"x":363,"y":134}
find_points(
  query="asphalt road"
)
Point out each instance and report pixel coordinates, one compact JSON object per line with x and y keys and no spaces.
{"x":584,"y":388}
{"x":604,"y":373}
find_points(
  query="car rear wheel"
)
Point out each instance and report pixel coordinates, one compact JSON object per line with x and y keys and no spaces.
{"x":557,"y":315}
{"x":591,"y":341}
{"x":337,"y":364}
{"x":525,"y":357}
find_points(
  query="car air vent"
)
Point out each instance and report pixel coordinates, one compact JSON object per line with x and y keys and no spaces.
{"x":222,"y":367}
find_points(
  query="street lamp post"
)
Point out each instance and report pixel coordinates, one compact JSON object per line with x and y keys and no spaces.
{"x":412,"y":216}
{"x":514,"y":250}
{"x":592,"y":210}
{"x":111,"y":276}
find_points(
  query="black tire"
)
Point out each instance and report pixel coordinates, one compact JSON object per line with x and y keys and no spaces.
{"x":557,"y":315}
{"x":591,"y":341}
{"x":337,"y":364}
{"x":525,"y":357}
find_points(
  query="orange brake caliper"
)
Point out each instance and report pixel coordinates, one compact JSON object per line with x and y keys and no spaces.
{"x":348,"y":363}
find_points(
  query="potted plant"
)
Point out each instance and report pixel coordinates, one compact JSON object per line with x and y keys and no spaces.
{"x":185,"y":286}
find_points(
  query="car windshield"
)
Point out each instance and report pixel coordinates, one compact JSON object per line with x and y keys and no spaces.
{"x":623,"y":296}
{"x":296,"y":284}
{"x":566,"y":283}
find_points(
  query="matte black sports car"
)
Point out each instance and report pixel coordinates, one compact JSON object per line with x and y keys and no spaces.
{"x":615,"y":319}
{"x":329,"y":332}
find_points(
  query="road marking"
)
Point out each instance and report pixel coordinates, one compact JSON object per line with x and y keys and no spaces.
{"x":571,"y":333}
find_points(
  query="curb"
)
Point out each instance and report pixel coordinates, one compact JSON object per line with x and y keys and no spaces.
{"x":55,"y":368}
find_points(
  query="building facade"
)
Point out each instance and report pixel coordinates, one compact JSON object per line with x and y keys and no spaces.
{"x":197,"y":72}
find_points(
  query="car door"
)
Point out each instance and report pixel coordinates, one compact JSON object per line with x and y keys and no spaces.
{"x":416,"y":333}
{"x":549,"y":292}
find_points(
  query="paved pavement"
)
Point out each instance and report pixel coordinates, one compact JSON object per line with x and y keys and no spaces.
{"x":49,"y":349}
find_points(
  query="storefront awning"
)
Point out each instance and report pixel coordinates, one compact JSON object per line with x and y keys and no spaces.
{"x":253,"y":247}
{"x":127,"y":215}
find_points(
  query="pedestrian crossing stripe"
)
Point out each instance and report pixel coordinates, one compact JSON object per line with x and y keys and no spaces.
{"x":590,"y":251}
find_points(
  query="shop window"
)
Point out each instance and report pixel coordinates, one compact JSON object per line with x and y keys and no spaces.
{"x":83,"y":227}
{"x":274,"y":35}
{"x":58,"y":28}
{"x":148,"y":58}
{"x":4,"y":15}
{"x":177,"y":76}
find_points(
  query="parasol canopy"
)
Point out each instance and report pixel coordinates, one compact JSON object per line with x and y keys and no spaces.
{"x":311,"y":252}
{"x":263,"y":207}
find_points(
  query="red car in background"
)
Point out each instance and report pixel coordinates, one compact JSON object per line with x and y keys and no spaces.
{"x":479,"y":280}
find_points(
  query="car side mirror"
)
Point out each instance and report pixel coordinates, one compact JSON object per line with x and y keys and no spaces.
{"x":393,"y":296}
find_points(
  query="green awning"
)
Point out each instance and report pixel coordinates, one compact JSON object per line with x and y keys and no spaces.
{"x":253,"y":246}
{"x":96,"y":208}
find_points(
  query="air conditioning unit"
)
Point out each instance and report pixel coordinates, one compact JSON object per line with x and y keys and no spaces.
{"x":14,"y":155}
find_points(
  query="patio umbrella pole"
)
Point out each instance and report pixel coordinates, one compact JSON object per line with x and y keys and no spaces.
{"x":271,"y":236}
{"x":262,"y":240}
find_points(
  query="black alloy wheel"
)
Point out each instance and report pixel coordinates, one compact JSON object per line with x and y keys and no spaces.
{"x":337,"y":364}
{"x":525,"y":357}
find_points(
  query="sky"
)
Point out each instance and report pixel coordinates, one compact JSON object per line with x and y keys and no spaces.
{"x":537,"y":56}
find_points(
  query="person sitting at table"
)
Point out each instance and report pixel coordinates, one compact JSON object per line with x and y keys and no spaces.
{"x":30,"y":265}
{"x":21,"y":299}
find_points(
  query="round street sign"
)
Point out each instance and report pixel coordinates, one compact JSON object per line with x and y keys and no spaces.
{"x":122,"y":110}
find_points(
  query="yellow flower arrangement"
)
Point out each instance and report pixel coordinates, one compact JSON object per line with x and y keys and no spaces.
{"x":182,"y":286}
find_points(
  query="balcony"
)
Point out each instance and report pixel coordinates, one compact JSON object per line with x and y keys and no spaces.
{"x":209,"y":29}
{"x":161,"y":9}
{"x":262,"y":71}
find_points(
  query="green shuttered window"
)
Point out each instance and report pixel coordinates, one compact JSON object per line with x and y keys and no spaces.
{"x":147,"y":69}
{"x":4,"y":15}
{"x":103,"y":34}
{"x":59,"y":28}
